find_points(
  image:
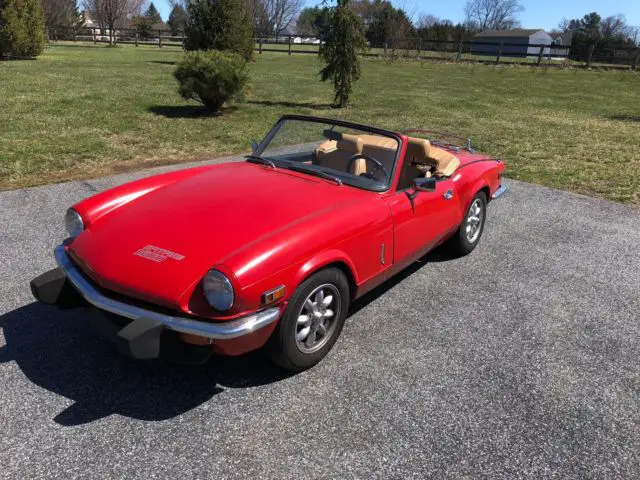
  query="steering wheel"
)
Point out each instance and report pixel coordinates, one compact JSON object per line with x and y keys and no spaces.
{"x":367,"y":158}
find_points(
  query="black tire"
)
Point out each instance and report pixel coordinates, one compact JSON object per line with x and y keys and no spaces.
{"x":460,"y":244}
{"x":283,"y":347}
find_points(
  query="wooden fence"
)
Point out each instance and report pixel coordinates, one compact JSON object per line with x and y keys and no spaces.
{"x":479,"y":51}
{"x":393,"y":48}
{"x":158,"y":38}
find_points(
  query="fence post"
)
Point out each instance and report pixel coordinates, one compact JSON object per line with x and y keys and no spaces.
{"x":93,"y":31}
{"x":541,"y":54}
{"x":459,"y":56}
{"x":260,"y":45}
{"x":499,"y":53}
{"x":159,"y":38}
{"x":419,"y":46}
{"x":385,"y":47}
{"x":590,"y":55}
{"x":74,"y":34}
{"x":637,"y":64}
{"x":289,"y":44}
{"x":136,"y":38}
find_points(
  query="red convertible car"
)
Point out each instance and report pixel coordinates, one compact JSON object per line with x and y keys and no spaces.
{"x":270,"y":252}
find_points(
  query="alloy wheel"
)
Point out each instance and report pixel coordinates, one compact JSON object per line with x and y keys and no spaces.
{"x":474,"y":221}
{"x":317,"y":318}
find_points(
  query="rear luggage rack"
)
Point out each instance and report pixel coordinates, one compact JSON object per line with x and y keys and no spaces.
{"x":466,"y":142}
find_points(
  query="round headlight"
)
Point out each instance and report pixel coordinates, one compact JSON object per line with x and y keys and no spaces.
{"x":73,"y":222}
{"x":218,"y":290}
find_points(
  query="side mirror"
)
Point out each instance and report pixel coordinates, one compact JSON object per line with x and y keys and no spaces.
{"x":425,"y":184}
{"x":254,"y":145}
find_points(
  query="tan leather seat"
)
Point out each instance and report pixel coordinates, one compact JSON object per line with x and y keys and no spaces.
{"x":416,"y":162}
{"x":446,"y":163}
{"x":336,"y":154}
{"x":423,"y":152}
{"x":381,"y":148}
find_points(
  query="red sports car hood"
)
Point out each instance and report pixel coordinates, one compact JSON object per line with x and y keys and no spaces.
{"x":156,"y":247}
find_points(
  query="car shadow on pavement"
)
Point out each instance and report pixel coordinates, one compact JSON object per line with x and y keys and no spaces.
{"x":59,"y":351}
{"x":440,"y":254}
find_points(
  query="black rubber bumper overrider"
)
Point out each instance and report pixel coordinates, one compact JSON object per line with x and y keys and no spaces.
{"x":53,"y":288}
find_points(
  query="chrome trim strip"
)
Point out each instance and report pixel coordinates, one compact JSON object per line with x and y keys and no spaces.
{"x":502,"y":189}
{"x":219,"y":331}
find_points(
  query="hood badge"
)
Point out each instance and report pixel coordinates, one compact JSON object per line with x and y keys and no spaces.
{"x":157,"y":254}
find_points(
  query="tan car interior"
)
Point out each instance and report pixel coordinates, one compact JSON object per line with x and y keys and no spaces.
{"x":422,"y":159}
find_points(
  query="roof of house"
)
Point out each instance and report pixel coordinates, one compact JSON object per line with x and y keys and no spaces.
{"x":517,"y":32}
{"x":160,"y":26}
{"x":290,"y":30}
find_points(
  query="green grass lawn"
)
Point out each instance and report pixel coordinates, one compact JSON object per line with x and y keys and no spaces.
{"x":81,"y":110}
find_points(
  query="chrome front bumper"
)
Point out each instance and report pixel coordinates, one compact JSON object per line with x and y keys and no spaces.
{"x":217,"y":331}
{"x":502,"y":189}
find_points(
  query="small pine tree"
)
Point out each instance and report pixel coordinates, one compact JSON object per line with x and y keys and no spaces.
{"x":177,"y":19}
{"x":152,"y":14}
{"x":212,"y":77}
{"x":219,"y":24}
{"x":343,"y":42}
{"x":22,"y":30}
{"x":144,"y":24}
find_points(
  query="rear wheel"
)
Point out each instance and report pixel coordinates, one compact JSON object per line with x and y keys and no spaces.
{"x":470,"y":231}
{"x":312,"y":321}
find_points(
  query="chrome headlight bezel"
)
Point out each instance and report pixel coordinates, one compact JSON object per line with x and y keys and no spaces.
{"x":218,"y":290}
{"x":73,"y":223}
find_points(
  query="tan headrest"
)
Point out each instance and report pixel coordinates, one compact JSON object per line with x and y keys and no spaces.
{"x":350,"y":143}
{"x":418,"y":150}
{"x":327,"y":146}
{"x":378,"y":141}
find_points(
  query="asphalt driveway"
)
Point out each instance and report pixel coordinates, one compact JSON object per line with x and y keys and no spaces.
{"x":520,"y":360}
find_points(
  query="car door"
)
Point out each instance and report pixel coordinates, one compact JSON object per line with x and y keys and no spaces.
{"x":422,"y":219}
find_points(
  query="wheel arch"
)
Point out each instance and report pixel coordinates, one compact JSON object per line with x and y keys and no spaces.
{"x":480,"y":185}
{"x":327,"y":260}
{"x":487,"y":192}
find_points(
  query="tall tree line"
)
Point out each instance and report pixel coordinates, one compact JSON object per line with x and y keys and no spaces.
{"x":606,"y":34}
{"x":384,"y":24}
{"x":268,"y":17}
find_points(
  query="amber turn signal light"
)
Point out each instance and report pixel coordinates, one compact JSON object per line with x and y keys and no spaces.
{"x":273,"y":295}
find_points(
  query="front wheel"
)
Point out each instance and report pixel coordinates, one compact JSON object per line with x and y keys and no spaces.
{"x":312,"y":321}
{"x":470,"y":231}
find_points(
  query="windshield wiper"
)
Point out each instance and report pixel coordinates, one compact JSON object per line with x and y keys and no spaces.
{"x":259,"y":159}
{"x":317,"y":173}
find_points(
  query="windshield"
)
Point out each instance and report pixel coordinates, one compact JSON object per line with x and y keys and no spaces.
{"x":345,"y":154}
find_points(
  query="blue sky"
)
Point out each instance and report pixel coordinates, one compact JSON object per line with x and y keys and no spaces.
{"x":537,"y":14}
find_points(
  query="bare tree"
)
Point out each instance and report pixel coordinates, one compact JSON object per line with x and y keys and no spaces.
{"x":107,"y":13}
{"x":634,"y":35}
{"x":613,"y":26}
{"x":564,"y":24}
{"x":427,"y":21}
{"x":492,"y":14}
{"x":280,"y":13}
{"x":258,"y":14}
{"x":59,"y":12}
{"x":179,"y":3}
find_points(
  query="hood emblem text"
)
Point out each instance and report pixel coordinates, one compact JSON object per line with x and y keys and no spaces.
{"x":157,"y":254}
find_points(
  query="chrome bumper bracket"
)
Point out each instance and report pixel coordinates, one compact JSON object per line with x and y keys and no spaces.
{"x":502,"y":189}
